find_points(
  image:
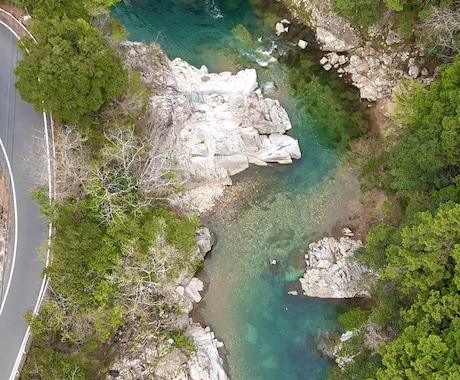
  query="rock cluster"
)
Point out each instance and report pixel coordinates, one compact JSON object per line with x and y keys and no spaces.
{"x":212,"y":125}
{"x":330,"y":273}
{"x":205,"y":363}
{"x":375,"y":73}
{"x":229,"y":125}
{"x":332,"y":32}
{"x":376,"y":66}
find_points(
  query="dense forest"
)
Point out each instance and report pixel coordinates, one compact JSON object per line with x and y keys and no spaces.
{"x":413,"y":330}
{"x":117,"y":241}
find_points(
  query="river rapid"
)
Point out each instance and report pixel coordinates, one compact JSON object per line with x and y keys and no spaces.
{"x":270,"y":212}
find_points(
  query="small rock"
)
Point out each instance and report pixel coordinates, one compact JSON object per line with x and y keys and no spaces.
{"x":392,"y":38}
{"x":302,"y":44}
{"x":114,"y":373}
{"x":180,"y":290}
{"x":342,"y":59}
{"x":280,"y":28}
{"x":355,"y":60}
{"x":327,"y":66}
{"x":424,"y":72}
{"x":293,"y":293}
{"x":333,"y":58}
{"x":347,"y":232}
{"x":323,"y":61}
{"x":193,"y":288}
{"x":346,"y":335}
{"x":414,"y":71}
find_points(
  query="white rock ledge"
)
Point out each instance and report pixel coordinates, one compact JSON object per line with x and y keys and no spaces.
{"x":229,"y":125}
{"x":330,"y":273}
{"x":205,"y":363}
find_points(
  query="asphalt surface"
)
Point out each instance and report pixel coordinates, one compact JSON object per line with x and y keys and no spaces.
{"x":19,"y":125}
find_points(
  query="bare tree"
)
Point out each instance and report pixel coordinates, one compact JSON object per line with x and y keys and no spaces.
{"x":442,"y":30}
{"x":131,"y":175}
{"x":73,"y":165}
{"x":141,"y":288}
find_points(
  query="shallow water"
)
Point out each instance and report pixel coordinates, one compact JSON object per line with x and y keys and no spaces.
{"x":271,"y":212}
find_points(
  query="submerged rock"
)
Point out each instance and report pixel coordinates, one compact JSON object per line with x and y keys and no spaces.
{"x":251,"y":334}
{"x":330,"y":273}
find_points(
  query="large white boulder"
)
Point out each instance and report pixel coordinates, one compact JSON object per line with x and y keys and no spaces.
{"x":229,"y":125}
{"x":205,"y":363}
{"x":330,"y":273}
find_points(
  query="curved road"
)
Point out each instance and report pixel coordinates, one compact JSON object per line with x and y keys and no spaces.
{"x":19,"y":125}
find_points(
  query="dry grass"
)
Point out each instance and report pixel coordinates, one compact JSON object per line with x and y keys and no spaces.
{"x":5,"y":218}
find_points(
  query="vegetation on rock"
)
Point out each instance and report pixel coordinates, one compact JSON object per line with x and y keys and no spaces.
{"x":416,"y":256}
{"x":117,"y":247}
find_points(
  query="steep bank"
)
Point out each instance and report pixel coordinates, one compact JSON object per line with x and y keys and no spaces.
{"x":374,"y":64}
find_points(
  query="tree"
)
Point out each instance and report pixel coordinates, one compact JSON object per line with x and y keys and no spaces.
{"x":362,"y":13}
{"x":442,"y":31}
{"x":69,"y":72}
{"x":58,"y":8}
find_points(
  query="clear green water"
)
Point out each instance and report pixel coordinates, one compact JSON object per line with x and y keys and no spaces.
{"x":271,"y":212}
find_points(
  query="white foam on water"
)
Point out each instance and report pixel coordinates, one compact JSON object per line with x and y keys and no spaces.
{"x":213,"y":10}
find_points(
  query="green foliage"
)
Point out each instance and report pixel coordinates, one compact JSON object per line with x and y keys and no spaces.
{"x":402,"y":96}
{"x":57,"y":8}
{"x":69,"y":72}
{"x":422,"y":261}
{"x":353,"y":318}
{"x":362,"y":13}
{"x":418,"y":296}
{"x":183,"y":342}
{"x":418,"y":257}
{"x":374,"y":173}
{"x":179,"y":231}
{"x":334,"y":119}
{"x":425,"y":159}
{"x":46,"y":363}
{"x":79,"y":265}
{"x":395,"y":5}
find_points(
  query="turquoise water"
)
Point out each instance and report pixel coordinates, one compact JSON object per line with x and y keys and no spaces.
{"x":271,"y":212}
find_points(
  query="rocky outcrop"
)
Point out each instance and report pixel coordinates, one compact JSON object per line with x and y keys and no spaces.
{"x":205,"y":363}
{"x":202,"y":364}
{"x":211,"y":125}
{"x":330,"y":273}
{"x":375,"y":73}
{"x":333,"y":32}
{"x":374,"y":66}
{"x":230,"y":125}
{"x":204,"y":239}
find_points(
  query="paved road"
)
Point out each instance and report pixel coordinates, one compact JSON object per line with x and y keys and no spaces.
{"x":19,"y":123}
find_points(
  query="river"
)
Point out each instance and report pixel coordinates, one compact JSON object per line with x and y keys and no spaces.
{"x":270,"y":212}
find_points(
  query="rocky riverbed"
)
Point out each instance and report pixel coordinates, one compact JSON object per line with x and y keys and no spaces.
{"x":209,"y":126}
